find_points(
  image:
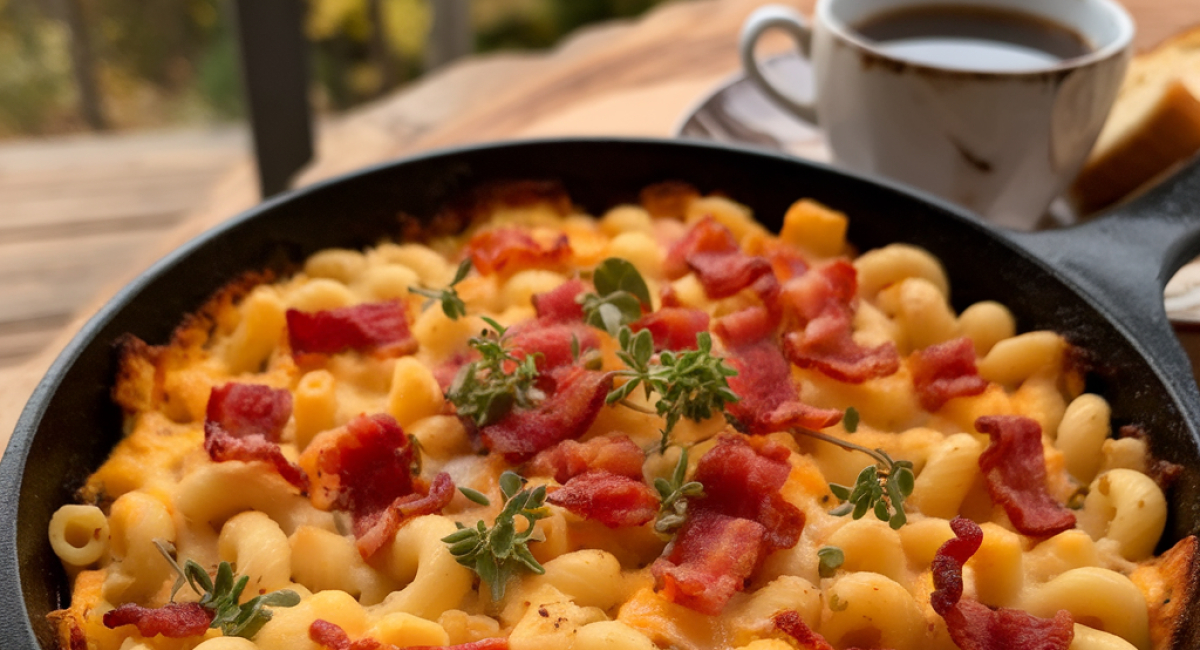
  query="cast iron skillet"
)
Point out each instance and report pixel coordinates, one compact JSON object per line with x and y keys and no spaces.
{"x":1099,"y":284}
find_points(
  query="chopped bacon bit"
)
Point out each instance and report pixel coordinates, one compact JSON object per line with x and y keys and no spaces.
{"x":670,"y":297}
{"x":559,"y":305}
{"x":711,"y":251}
{"x":243,"y":422}
{"x":1014,"y":466}
{"x":769,"y":398}
{"x":508,"y":250}
{"x":552,"y":340}
{"x":377,"y":326}
{"x":222,"y":447}
{"x":973,"y":625}
{"x":944,"y":371}
{"x":574,"y":398}
{"x":706,"y":236}
{"x":611,"y":499}
{"x":332,"y":636}
{"x":948,"y":564}
{"x":786,"y":262}
{"x":362,"y":467}
{"x":742,"y":478}
{"x":790,"y":623}
{"x":173,"y":620}
{"x":250,"y":409}
{"x":742,"y":518}
{"x":821,"y":301}
{"x":365,"y":468}
{"x":710,"y":560}
{"x":673,"y":328}
{"x":615,"y":454}
{"x":373,"y":530}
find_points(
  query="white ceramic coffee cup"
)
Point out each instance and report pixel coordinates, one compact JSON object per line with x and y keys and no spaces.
{"x":1003,"y":144}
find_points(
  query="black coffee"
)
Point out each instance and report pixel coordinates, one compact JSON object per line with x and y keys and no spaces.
{"x":973,"y":38}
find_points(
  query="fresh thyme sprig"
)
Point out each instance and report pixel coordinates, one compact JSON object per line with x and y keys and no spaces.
{"x":692,"y":384}
{"x":674,"y":494}
{"x":496,"y":553}
{"x":621,"y":294}
{"x":452,"y":305}
{"x":881,"y":487}
{"x":221,"y":596}
{"x":487,"y":389}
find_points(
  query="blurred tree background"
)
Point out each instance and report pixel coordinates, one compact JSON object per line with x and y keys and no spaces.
{"x":159,"y":63}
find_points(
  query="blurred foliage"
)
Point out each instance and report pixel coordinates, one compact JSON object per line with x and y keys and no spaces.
{"x":166,"y":62}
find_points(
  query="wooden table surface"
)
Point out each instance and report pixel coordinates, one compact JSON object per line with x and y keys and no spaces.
{"x":624,"y":78}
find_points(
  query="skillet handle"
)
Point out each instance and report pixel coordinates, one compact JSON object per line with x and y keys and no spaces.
{"x":1125,"y":257}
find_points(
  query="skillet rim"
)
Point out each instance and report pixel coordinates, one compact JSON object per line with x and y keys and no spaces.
{"x":14,"y":465}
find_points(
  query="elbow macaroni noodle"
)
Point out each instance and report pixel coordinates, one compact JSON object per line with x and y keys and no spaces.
{"x":597,"y":592}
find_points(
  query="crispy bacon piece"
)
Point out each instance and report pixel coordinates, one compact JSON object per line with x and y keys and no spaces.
{"x":742,"y":518}
{"x":611,"y":499}
{"x":369,"y":327}
{"x":769,"y":398}
{"x":374,"y":529}
{"x":711,"y":251}
{"x":508,"y":250}
{"x":574,"y":396}
{"x":821,"y":302}
{"x":673,"y":328}
{"x":552,"y":340}
{"x":332,"y":636}
{"x":243,"y":422}
{"x":559,"y":304}
{"x":615,"y":454}
{"x":706,"y":236}
{"x":221,"y":447}
{"x":1014,"y":467}
{"x":173,"y":620}
{"x":249,"y":409}
{"x":944,"y":371}
{"x":973,"y":625}
{"x":365,"y":468}
{"x":742,"y":478}
{"x":710,"y":560}
{"x":790,"y":623}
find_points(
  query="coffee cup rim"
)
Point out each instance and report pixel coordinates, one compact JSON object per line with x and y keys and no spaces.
{"x":1125,"y":28}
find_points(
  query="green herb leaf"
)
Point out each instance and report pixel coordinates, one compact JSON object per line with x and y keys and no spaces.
{"x":830,"y":559}
{"x":621,"y":296}
{"x":850,"y":420}
{"x":880,"y":488}
{"x":221,"y":596}
{"x":452,"y":305}
{"x":475,"y":495}
{"x":690,"y":384}
{"x":486,"y":390}
{"x":615,"y":274}
{"x":496,"y":553}
{"x":674,"y":495}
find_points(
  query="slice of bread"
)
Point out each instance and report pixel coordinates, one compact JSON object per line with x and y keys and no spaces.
{"x":1154,"y":124}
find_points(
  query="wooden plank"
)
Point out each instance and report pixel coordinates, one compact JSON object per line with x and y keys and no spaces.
{"x":20,"y":340}
{"x":50,"y":278}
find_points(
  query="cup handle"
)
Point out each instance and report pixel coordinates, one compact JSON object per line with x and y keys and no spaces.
{"x":796,"y":25}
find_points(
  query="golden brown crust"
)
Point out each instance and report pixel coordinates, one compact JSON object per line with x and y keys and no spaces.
{"x":668,"y":199}
{"x":1170,"y":584}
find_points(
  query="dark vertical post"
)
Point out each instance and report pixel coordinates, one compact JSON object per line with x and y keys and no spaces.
{"x":275,"y":78}
{"x":83,"y":64}
{"x":450,"y":35}
{"x":381,"y":54}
